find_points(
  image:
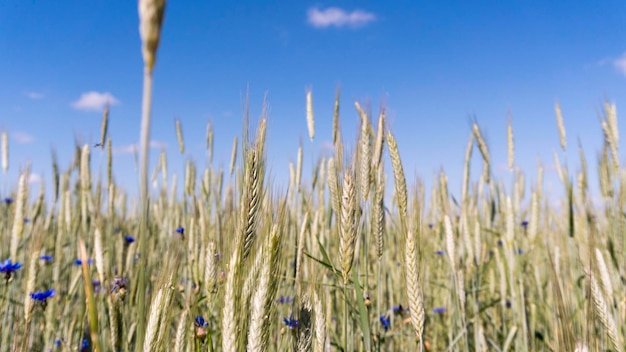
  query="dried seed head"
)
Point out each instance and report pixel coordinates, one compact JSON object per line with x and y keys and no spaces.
{"x":561,"y":126}
{"x":179,"y":137}
{"x":364,"y":154}
{"x":233,"y":156}
{"x":299,"y":167}
{"x":104,"y":127}
{"x":349,"y":222}
{"x":336,"y":135}
{"x":209,"y":140}
{"x":150,"y":21}
{"x":310,"y":121}
{"x":380,"y":140}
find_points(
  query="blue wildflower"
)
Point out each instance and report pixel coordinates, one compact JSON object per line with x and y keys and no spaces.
{"x":118,"y":283}
{"x":46,"y":258}
{"x":8,"y":201}
{"x":430,"y":226}
{"x":116,"y":230}
{"x":200,"y":322}
{"x":8,"y":268}
{"x":291,"y":323}
{"x":84,"y":346}
{"x":129,"y":239}
{"x":398,"y":310}
{"x":80,"y":262}
{"x":42,"y":296}
{"x":524,"y":224}
{"x":58,"y":342}
{"x":385,"y":321}
{"x":440,"y":252}
{"x":439,"y":310}
{"x":284,"y":299}
{"x":500,"y":243}
{"x":520,"y":251}
{"x":180,"y":230}
{"x":26,"y":220}
{"x":96,"y":286}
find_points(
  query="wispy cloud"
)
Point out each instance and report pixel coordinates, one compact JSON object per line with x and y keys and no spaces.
{"x":620,"y":64}
{"x":334,"y":16}
{"x":34,"y":95}
{"x":132,"y":148}
{"x":22,"y":137}
{"x":34,"y":178}
{"x":94,"y":101}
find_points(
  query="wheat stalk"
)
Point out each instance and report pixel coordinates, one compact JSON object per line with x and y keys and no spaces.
{"x":602,"y":312}
{"x":209,"y":140}
{"x":364,"y":153}
{"x":400,"y":180}
{"x":181,"y":332}
{"x":560,"y":125}
{"x":484,"y":151}
{"x":319,"y":343}
{"x":348,"y":225}
{"x":18,"y":222}
{"x":414,"y":291}
{"x":310,"y":121}
{"x":379,"y":212}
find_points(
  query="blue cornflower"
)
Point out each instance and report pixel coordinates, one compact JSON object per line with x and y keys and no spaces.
{"x":440,"y":252}
{"x":96,"y":286}
{"x":180,"y":230}
{"x":84,"y":346}
{"x":129,"y":239}
{"x":42,"y":296}
{"x":26,"y":220}
{"x":200,"y":322}
{"x":8,"y":268}
{"x":284,"y":299}
{"x":8,"y":201}
{"x":291,"y":322}
{"x":118,"y":283}
{"x":80,"y":262}
{"x":439,"y":310}
{"x":399,"y":309}
{"x":385,"y":321}
{"x":58,"y":342}
{"x":46,"y":258}
{"x":500,"y":243}
{"x":430,"y":226}
{"x":524,"y":224}
{"x":520,"y":251}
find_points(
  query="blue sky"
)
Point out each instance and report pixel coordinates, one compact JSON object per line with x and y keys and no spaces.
{"x":435,"y":65}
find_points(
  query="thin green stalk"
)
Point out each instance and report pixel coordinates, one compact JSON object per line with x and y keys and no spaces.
{"x":143,"y":225}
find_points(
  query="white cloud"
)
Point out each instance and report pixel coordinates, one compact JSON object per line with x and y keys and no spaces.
{"x":334,"y":16}
{"x":94,"y":101}
{"x":131,"y":148}
{"x":22,"y":137}
{"x":34,"y":178}
{"x":620,"y":64}
{"x":34,"y":95}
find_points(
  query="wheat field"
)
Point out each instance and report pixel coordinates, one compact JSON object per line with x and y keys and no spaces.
{"x":350,"y":257}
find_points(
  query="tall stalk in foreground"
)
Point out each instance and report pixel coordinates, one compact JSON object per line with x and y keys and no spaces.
{"x":150,"y":21}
